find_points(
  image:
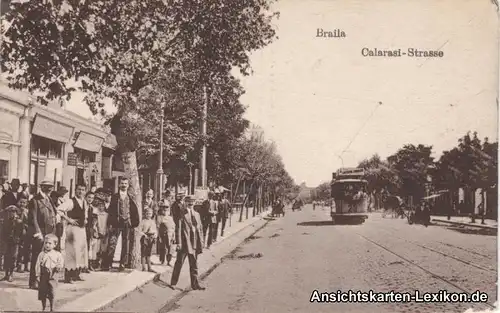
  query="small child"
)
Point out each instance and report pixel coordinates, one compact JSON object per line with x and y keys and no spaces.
{"x":148,"y":231}
{"x":49,"y":263}
{"x":12,"y":233}
{"x":100,"y":232}
{"x":166,"y":230}
{"x":25,"y":245}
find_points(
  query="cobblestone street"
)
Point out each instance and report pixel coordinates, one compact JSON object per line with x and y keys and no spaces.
{"x":280,"y":266}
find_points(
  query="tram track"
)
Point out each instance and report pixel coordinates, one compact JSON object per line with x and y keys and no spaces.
{"x":442,"y":253}
{"x":413,"y":263}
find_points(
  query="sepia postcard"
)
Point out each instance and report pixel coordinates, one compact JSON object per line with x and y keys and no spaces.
{"x":249,"y":156}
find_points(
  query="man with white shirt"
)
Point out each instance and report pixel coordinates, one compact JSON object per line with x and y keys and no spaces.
{"x":123,"y":217}
{"x":41,"y":222}
{"x":75,"y":212}
{"x":189,"y":240}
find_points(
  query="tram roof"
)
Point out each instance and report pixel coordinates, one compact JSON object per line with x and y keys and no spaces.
{"x":349,"y":180}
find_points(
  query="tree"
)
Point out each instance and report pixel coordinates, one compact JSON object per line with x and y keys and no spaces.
{"x":322,"y":192}
{"x":380,"y":175}
{"x":114,"y":50}
{"x":412,"y":164}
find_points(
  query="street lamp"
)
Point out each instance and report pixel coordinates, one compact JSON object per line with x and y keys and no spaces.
{"x":160,"y":161}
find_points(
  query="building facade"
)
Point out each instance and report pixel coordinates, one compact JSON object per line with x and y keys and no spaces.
{"x":39,"y":142}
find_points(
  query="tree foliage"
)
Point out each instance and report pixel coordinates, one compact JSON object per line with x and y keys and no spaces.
{"x":471,"y":164}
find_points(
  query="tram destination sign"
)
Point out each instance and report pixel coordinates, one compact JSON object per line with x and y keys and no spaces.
{"x":72,"y":159}
{"x":351,"y":171}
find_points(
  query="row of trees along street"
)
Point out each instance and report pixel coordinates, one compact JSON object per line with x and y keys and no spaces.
{"x":146,"y":57}
{"x":412,"y":173}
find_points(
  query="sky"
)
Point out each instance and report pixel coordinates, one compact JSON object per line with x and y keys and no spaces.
{"x":319,"y":99}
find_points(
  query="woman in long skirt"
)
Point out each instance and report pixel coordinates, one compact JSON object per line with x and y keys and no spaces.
{"x":76,"y":253}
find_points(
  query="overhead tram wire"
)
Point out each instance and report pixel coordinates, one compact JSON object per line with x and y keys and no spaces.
{"x":362,"y":126}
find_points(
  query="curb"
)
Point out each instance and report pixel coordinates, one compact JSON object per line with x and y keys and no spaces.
{"x":464,"y":224}
{"x":93,"y":301}
{"x":176,"y":297}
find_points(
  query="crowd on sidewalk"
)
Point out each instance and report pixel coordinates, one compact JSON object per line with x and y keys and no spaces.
{"x":50,"y":235}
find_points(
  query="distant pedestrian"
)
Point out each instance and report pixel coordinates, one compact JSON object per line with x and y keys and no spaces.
{"x":41,"y":222}
{"x":209,"y":218}
{"x":224,"y":212}
{"x":166,"y":233}
{"x":48,"y":263}
{"x":123,"y":217}
{"x":12,"y":233}
{"x":189,"y":240}
{"x":149,"y":233}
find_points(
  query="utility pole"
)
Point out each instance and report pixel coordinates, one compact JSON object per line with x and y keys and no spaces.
{"x":160,"y":160}
{"x":203,"y":158}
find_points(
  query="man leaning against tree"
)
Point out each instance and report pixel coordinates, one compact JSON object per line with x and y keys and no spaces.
{"x":123,"y":217}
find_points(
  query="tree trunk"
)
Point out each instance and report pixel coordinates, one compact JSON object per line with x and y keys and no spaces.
{"x":130,"y":166}
{"x":236,"y":192}
{"x":244,"y":203}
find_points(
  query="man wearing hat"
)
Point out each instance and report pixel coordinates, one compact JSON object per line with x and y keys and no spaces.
{"x":177,"y":206}
{"x":208,"y":214}
{"x":12,"y":197}
{"x":189,"y":240}
{"x":166,"y":230}
{"x":41,"y":222}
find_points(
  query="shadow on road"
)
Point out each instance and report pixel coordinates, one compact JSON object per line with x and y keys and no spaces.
{"x":329,"y":223}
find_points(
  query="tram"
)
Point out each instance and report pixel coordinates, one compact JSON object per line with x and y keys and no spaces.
{"x":349,"y":198}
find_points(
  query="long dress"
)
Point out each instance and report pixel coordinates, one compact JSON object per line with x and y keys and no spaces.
{"x":76,"y":252}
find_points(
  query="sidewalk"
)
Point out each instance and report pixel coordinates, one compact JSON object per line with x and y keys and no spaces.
{"x":465,"y":221}
{"x":99,"y":288}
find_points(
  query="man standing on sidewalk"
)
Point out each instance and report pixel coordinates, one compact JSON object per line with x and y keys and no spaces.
{"x":123,"y":217}
{"x":189,"y":240}
{"x":41,"y":222}
{"x":209,"y":218}
{"x":224,"y":211}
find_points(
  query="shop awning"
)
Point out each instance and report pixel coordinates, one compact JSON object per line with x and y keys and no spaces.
{"x":110,"y":142}
{"x":86,"y":141}
{"x":50,"y":129}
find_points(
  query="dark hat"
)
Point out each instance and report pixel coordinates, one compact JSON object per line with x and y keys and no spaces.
{"x":179,"y":195}
{"x":189,"y":198}
{"x":62,"y":190}
{"x":15,"y":180}
{"x":24,"y":185}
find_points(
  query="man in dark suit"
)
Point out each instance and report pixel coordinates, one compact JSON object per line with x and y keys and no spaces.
{"x":13,"y":196}
{"x":41,"y":222}
{"x":123,"y":217}
{"x":189,"y":240}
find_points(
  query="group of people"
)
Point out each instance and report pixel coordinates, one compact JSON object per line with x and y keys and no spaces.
{"x":47,"y":233}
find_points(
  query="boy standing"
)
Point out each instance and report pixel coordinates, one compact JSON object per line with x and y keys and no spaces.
{"x":12,"y":232}
{"x":49,"y":262}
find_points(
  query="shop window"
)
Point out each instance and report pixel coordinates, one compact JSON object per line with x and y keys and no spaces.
{"x":46,"y":147}
{"x":85,"y":156}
